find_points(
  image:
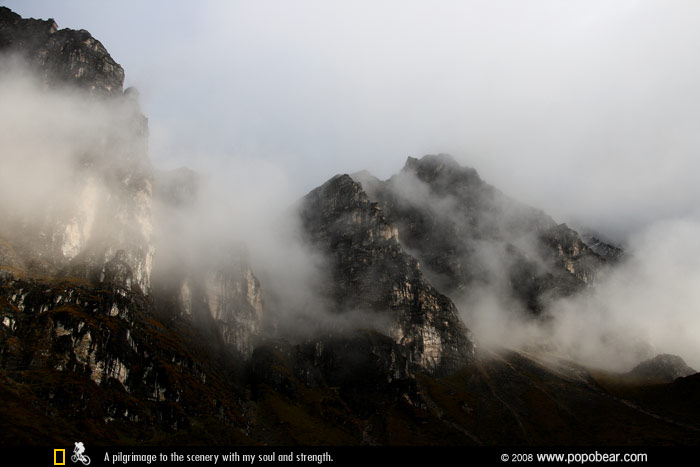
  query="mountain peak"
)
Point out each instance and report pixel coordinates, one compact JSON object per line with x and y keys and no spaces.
{"x":441,"y":171}
{"x":432,"y":159}
{"x":61,"y":56}
{"x":369,"y":271}
{"x":448,"y":217}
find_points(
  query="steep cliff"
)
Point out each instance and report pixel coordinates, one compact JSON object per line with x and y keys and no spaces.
{"x":206,"y":281}
{"x":100,"y":224}
{"x":369,"y":271}
{"x":61,"y":57}
{"x":78,"y":248}
{"x":93,"y":219}
{"x":98,"y":360}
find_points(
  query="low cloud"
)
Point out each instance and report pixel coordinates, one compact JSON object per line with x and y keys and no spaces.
{"x":588,"y":110}
{"x":646,"y":305}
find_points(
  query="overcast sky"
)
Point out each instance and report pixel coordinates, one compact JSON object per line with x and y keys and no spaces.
{"x":587,"y":109}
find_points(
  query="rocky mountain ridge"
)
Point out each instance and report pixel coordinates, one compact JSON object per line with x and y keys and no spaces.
{"x":370,"y":271}
{"x":117,"y":328}
{"x":77,"y":274}
{"x":61,"y":56}
{"x":467,"y":234}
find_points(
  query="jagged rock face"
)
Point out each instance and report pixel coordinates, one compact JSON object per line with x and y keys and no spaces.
{"x":61,"y":57}
{"x":63,"y":326}
{"x":106,"y":220}
{"x":110,"y":238}
{"x":370,"y":272}
{"x":664,"y":368}
{"x":107,"y":348}
{"x":228,"y":301}
{"x":103,"y":230}
{"x":575,"y":263}
{"x":608,"y":252}
{"x":97,"y":225}
{"x":467,"y":234}
{"x":76,"y":299}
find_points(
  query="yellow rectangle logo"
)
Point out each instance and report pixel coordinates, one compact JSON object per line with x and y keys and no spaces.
{"x":56,"y":456}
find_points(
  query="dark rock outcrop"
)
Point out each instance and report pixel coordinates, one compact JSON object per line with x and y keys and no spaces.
{"x":610,"y":253}
{"x":136,"y":369}
{"x":369,"y":271}
{"x":60,"y":57}
{"x":467,"y":234}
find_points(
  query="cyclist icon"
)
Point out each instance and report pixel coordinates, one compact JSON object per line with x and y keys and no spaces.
{"x":78,"y":454}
